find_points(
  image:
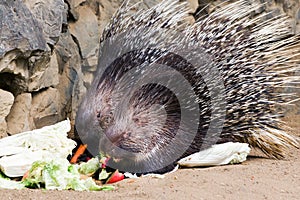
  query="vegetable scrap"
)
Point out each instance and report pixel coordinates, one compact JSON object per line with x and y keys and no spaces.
{"x":78,"y":153}
{"x":38,"y":159}
{"x":219,"y":154}
{"x":18,"y":152}
{"x":109,"y":177}
{"x":60,"y":175}
{"x":115,"y":177}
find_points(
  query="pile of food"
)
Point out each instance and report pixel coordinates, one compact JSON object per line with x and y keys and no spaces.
{"x":38,"y":159}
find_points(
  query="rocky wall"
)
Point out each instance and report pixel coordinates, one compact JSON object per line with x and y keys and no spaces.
{"x":48,"y":53}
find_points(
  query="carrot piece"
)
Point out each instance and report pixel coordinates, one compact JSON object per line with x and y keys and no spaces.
{"x":25,"y":175}
{"x":78,"y":153}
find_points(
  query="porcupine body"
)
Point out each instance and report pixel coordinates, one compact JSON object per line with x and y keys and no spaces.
{"x":165,"y":89}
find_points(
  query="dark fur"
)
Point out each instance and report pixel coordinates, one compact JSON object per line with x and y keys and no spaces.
{"x":136,"y":133}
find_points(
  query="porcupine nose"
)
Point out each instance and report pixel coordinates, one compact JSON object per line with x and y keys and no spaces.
{"x":111,"y":141}
{"x":113,"y":136}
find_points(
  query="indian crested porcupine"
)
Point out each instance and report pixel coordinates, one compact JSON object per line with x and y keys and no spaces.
{"x":165,"y":89}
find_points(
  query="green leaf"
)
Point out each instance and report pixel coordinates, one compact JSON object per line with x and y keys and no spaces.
{"x":61,"y":175}
{"x":89,"y":167}
{"x":103,"y":174}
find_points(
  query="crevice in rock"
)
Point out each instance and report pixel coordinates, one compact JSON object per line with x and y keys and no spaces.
{"x":13,"y":83}
{"x":78,"y":45}
{"x":51,"y":46}
{"x":34,"y":93}
{"x":83,"y":3}
{"x":70,"y":15}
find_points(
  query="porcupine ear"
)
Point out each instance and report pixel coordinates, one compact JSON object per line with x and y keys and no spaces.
{"x":261,"y":50}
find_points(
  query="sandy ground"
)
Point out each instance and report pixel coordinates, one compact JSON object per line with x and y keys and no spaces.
{"x":257,"y":178}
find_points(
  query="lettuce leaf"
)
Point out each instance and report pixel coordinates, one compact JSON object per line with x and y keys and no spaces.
{"x":34,"y":178}
{"x":59,"y":174}
{"x":6,"y":183}
{"x":89,"y":167}
{"x":103,"y":175}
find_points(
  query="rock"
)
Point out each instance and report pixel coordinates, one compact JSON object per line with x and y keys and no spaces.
{"x":86,"y":32}
{"x":297,"y":22}
{"x":106,"y":11}
{"x":45,"y":107}
{"x":77,"y":2}
{"x":73,"y":4}
{"x":6,"y":102}
{"x":50,"y":14}
{"x":193,"y":4}
{"x":26,"y":30}
{"x":44,"y":70}
{"x":71,"y":82}
{"x":7,"y":63}
{"x":19,"y":29}
{"x":19,"y":119}
{"x":89,"y":67}
{"x":3,"y":127}
{"x":13,"y":73}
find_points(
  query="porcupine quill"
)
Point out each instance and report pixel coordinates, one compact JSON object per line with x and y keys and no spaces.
{"x":234,"y":61}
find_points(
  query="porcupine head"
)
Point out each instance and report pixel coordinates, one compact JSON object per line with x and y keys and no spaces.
{"x":164,"y":90}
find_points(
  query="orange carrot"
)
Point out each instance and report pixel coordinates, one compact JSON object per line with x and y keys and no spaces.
{"x":78,"y":153}
{"x":25,"y":175}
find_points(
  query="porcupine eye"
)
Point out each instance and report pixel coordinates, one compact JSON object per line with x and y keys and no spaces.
{"x":140,"y":121}
{"x":105,"y":120}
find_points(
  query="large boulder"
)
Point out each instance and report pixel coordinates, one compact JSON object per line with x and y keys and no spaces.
{"x":6,"y":102}
{"x":19,"y":119}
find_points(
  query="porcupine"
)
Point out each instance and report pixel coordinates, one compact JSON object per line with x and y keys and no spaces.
{"x":233,"y":61}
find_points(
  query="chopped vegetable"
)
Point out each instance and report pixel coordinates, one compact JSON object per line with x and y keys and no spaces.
{"x":90,"y":184}
{"x":25,"y":175}
{"x":39,"y":157}
{"x":19,"y":151}
{"x":103,"y":161}
{"x":109,"y":177}
{"x":6,"y":183}
{"x":61,"y":175}
{"x":90,"y":167}
{"x":219,"y":154}
{"x":115,"y":177}
{"x":34,"y":175}
{"x":103,"y":175}
{"x":81,"y":149}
